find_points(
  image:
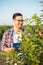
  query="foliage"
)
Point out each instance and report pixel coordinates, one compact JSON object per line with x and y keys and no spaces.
{"x":31,"y":48}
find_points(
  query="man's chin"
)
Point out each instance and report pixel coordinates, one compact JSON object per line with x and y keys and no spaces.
{"x":20,"y":27}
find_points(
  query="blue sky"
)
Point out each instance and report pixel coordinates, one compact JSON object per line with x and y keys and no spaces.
{"x":26,"y":7}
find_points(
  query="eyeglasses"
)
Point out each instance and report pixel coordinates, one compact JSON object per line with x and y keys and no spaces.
{"x":19,"y":20}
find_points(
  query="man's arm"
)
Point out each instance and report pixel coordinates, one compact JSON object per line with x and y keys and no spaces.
{"x":4,"y":46}
{"x":8,"y":49}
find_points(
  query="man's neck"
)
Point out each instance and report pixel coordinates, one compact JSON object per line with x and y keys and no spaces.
{"x":16,"y":29}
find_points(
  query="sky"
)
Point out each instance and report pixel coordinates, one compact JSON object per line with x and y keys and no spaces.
{"x":9,"y":7}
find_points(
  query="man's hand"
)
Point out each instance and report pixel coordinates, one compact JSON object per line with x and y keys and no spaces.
{"x":8,"y":49}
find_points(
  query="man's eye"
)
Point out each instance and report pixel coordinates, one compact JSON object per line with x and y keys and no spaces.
{"x":19,"y":20}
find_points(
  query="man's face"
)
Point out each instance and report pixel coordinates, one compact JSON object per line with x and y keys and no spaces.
{"x":18,"y":21}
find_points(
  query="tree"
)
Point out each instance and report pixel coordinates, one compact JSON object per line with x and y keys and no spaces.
{"x":41,"y":15}
{"x":35,"y":18}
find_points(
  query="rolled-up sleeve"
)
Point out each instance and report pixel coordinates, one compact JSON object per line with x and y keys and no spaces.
{"x":3,"y":42}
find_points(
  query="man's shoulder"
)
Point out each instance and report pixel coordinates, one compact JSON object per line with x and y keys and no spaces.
{"x":26,"y":31}
{"x":8,"y":31}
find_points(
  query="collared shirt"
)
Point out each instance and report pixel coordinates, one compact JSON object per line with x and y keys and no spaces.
{"x":7,"y":39}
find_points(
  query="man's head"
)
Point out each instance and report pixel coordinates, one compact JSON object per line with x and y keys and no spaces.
{"x":18,"y":20}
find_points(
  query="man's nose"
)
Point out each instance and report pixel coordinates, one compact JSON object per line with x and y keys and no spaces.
{"x":21,"y":22}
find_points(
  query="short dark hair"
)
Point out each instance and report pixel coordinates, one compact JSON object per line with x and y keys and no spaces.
{"x":16,"y":14}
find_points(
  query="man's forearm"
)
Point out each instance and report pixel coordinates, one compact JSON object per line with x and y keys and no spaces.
{"x":8,"y":49}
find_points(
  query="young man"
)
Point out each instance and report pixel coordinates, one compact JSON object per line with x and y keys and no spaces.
{"x":9,"y":40}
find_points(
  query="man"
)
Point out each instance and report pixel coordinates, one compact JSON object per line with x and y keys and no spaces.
{"x":10,"y":37}
{"x":9,"y":40}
